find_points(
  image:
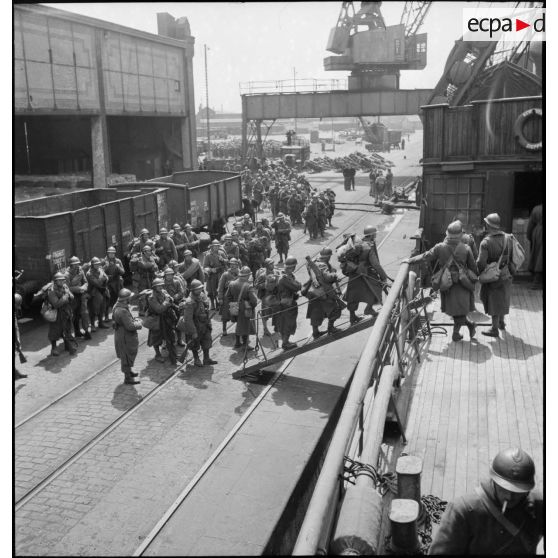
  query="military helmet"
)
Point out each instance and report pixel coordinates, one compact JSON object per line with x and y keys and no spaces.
{"x":228,"y":236}
{"x":146,"y":247}
{"x":176,"y":226}
{"x":370,"y":229}
{"x":233,"y":261}
{"x":454,"y":230}
{"x":196,"y":285}
{"x":279,"y":215}
{"x":244,"y":272}
{"x":188,"y":253}
{"x":58,"y":276}
{"x":493,"y":220}
{"x":95,"y":260}
{"x":144,"y":231}
{"x":514,"y":470}
{"x":268,"y":261}
{"x":187,"y":226}
{"x":246,"y":215}
{"x":168,"y":271}
{"x":215,"y":243}
{"x":74,"y":260}
{"x":290,"y":261}
{"x":124,"y":294}
{"x":326,"y":251}
{"x":173,"y":263}
{"x":163,"y":231}
{"x":111,"y":250}
{"x":157,"y":282}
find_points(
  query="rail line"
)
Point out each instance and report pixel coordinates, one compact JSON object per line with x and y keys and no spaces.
{"x":114,"y":424}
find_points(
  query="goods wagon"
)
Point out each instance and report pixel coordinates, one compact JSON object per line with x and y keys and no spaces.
{"x":49,"y":230}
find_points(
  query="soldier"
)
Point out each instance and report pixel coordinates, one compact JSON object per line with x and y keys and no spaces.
{"x":287,"y":291}
{"x":458,"y":300}
{"x":192,"y":240}
{"x":240,"y":291}
{"x":379,"y":188}
{"x":77,"y":283}
{"x":175,"y":266}
{"x":366,"y":276}
{"x":230,"y":248}
{"x":256,"y":255}
{"x":174,"y":288}
{"x":246,"y":223}
{"x":389,"y":184}
{"x":97,"y":290}
{"x":179,"y":239}
{"x":114,"y":270}
{"x":165,"y":249}
{"x":329,"y":305}
{"x":242,"y":248}
{"x":266,"y":282}
{"x":160,"y":304}
{"x":331,"y":197}
{"x":372,"y":177}
{"x":282,"y":229}
{"x":144,"y":268}
{"x":197,"y":325}
{"x":503,"y":516}
{"x":227,"y":277}
{"x":126,"y":335}
{"x":215,"y":263}
{"x":265,"y":237}
{"x":60,"y":297}
{"x":137,"y":244}
{"x":191,"y":268}
{"x":496,"y":296}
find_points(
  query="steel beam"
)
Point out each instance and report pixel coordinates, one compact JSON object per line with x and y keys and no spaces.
{"x":331,"y":104}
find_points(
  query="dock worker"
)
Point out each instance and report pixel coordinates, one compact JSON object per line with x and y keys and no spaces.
{"x":496,"y":296}
{"x":197,"y":325}
{"x":241,"y":291}
{"x":458,"y":299}
{"x":114,"y":269}
{"x":126,"y":335}
{"x":282,"y":229}
{"x":165,"y":249}
{"x":504,"y":516}
{"x":287,"y":291}
{"x":367,"y":277}
{"x":77,"y":283}
{"x":60,"y":298}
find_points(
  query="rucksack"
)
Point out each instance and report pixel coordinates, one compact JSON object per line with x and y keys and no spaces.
{"x":271,"y":281}
{"x":518,"y":252}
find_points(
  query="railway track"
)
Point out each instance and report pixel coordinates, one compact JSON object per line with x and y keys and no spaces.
{"x":73,"y":456}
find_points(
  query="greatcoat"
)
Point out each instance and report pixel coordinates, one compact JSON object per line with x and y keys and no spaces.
{"x":244,"y":325}
{"x":125,"y":334}
{"x":287,"y":291}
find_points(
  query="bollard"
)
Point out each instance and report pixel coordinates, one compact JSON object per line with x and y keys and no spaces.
{"x":409,"y":469}
{"x":403,"y":517}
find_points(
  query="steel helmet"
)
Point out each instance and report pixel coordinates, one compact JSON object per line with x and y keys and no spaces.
{"x":58,"y":276}
{"x":326,"y":251}
{"x":514,"y":470}
{"x":168,"y":271}
{"x":268,"y":261}
{"x":280,"y":215}
{"x":187,"y":226}
{"x":370,"y":229}
{"x":454,"y":230}
{"x":111,"y":249}
{"x":493,"y":220}
{"x":124,"y":294}
{"x":187,"y":253}
{"x":95,"y":260}
{"x":74,"y":260}
{"x":233,"y":261}
{"x":176,"y":226}
{"x":196,"y":285}
{"x":163,"y":231}
{"x":173,"y":263}
{"x":227,"y":237}
{"x":144,"y":231}
{"x":157,"y":282}
{"x":245,"y":271}
{"x":215,"y":243}
{"x":146,"y":247}
{"x":290,"y":261}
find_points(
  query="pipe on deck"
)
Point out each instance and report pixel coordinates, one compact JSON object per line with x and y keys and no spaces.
{"x":323,"y":498}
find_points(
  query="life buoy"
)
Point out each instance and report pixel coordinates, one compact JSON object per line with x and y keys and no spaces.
{"x":518,"y":129}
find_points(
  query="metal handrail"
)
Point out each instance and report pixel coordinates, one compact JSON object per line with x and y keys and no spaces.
{"x":305,"y":85}
{"x":381,"y":340}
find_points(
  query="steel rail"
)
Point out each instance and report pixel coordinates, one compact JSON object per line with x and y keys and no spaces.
{"x":323,"y":497}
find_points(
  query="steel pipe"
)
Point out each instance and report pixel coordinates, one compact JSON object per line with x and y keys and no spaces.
{"x":324,"y":493}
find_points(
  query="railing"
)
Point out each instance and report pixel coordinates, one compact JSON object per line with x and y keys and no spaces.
{"x":395,"y":342}
{"x":292,"y":86}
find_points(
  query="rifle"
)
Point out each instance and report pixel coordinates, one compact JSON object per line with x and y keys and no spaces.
{"x":327,"y":290}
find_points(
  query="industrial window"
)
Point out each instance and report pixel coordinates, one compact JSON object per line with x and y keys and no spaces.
{"x":421,"y":47}
{"x":397,"y":46}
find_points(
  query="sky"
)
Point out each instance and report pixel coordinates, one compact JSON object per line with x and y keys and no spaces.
{"x":261,"y":41}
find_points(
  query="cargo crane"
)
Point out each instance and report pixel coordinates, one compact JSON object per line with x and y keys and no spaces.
{"x":375,"y":54}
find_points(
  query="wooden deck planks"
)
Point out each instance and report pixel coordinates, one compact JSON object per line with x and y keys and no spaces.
{"x":472,"y":399}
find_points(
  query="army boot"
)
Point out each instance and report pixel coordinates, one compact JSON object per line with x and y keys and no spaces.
{"x":197,"y":361}
{"x":206,"y":359}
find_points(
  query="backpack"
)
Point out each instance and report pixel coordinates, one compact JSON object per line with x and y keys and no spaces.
{"x":518,"y":252}
{"x":271,"y":281}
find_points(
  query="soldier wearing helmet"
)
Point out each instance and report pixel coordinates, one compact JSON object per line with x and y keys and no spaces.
{"x":240,"y":291}
{"x":60,"y":297}
{"x":266,"y":282}
{"x":99,"y":298}
{"x":503,"y":516}
{"x":264,"y":234}
{"x":143,"y":267}
{"x":230,"y":247}
{"x":161,"y":305}
{"x":177,"y":291}
{"x":287,"y":291}
{"x":165,"y":248}
{"x":77,"y":283}
{"x":179,"y":239}
{"x":191,"y":269}
{"x":192,"y":240}
{"x":137,"y":244}
{"x":114,"y":270}
{"x":215,"y":263}
{"x":246,"y":223}
{"x":225,"y":280}
{"x":282,"y":229}
{"x":197,"y":325}
{"x":126,"y":335}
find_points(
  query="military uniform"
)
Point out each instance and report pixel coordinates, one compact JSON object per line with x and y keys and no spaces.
{"x":244,"y":325}
{"x":282,"y":237}
{"x":197,"y":321}
{"x":125,"y":337}
{"x":159,"y":304}
{"x":98,"y":293}
{"x":77,"y":282}
{"x":287,"y":291}
{"x":61,"y":298}
{"x":166,"y":251}
{"x":114,"y":270}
